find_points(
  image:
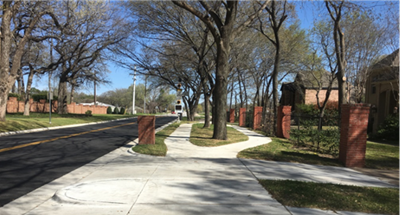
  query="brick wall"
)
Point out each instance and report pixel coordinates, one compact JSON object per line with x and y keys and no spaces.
{"x":353,"y":134}
{"x":283,"y":122}
{"x":14,"y":106}
{"x":310,"y":97}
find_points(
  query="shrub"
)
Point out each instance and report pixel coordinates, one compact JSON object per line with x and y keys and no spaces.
{"x":37,"y":97}
{"x":109,"y":110}
{"x":116,"y":110}
{"x":88,"y":113}
{"x":122,"y":111}
{"x":307,"y":133}
{"x":19,"y":97}
{"x":389,"y":129}
{"x":305,"y":109}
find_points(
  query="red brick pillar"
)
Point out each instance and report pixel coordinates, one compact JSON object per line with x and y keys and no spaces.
{"x":353,"y":134}
{"x":283,"y":122}
{"x":146,"y":129}
{"x":257,"y":118}
{"x":242,"y":116}
{"x":232,"y":116}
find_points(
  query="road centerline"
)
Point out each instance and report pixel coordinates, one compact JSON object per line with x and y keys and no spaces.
{"x":62,"y":137}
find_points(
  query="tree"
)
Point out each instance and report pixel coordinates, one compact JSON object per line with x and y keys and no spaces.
{"x":19,"y":19}
{"x":278,"y":13}
{"x":335,"y":9}
{"x":184,"y":41}
{"x":34,"y":58}
{"x":92,"y":28}
{"x":221,"y":19}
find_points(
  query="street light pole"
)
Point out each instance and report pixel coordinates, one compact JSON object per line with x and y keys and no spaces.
{"x":134,"y":89}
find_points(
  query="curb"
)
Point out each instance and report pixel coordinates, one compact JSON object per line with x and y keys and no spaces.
{"x":2,"y":134}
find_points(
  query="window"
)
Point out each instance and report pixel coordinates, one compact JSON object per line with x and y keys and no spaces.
{"x":373,"y":88}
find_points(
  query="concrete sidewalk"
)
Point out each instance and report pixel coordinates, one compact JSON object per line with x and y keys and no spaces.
{"x":189,"y":180}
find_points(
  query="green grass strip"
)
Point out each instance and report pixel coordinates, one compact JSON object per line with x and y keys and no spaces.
{"x":203,"y":136}
{"x":378,"y":155}
{"x":282,"y":150}
{"x":334,"y":197}
{"x":159,"y":148}
{"x":18,"y":122}
{"x":381,"y":156}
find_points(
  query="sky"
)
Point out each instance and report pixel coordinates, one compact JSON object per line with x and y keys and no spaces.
{"x":121,"y":78}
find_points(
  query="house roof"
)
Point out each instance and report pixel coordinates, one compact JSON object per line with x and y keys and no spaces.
{"x":386,"y":69}
{"x":391,"y":60}
{"x":306,"y":80}
{"x":288,"y":86}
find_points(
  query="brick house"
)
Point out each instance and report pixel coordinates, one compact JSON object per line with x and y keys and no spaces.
{"x":382,"y":90}
{"x":304,"y":89}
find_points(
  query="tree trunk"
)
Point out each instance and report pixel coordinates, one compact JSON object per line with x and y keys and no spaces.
{"x":206,"y":110}
{"x":240,"y":92}
{"x":3,"y":105}
{"x":14,"y":89}
{"x":62,"y":96}
{"x":27,"y":93}
{"x":230,"y":103}
{"x":275,"y":95}
{"x":20,"y":82}
{"x":220,"y":91}
{"x":192,"y":112}
{"x":340,"y":50}
{"x":72,"y":99}
{"x":245,"y":94}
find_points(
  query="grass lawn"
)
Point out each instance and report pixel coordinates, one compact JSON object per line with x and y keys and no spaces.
{"x":334,"y":197}
{"x":17,"y":122}
{"x":203,"y":136}
{"x":158,"y":149}
{"x":282,"y":150}
{"x":378,"y":156}
{"x":382,"y":156}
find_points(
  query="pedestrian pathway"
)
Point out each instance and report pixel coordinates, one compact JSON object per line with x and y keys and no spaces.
{"x":189,"y":180}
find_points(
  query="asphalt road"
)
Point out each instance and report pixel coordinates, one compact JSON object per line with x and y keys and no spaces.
{"x":25,"y":169}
